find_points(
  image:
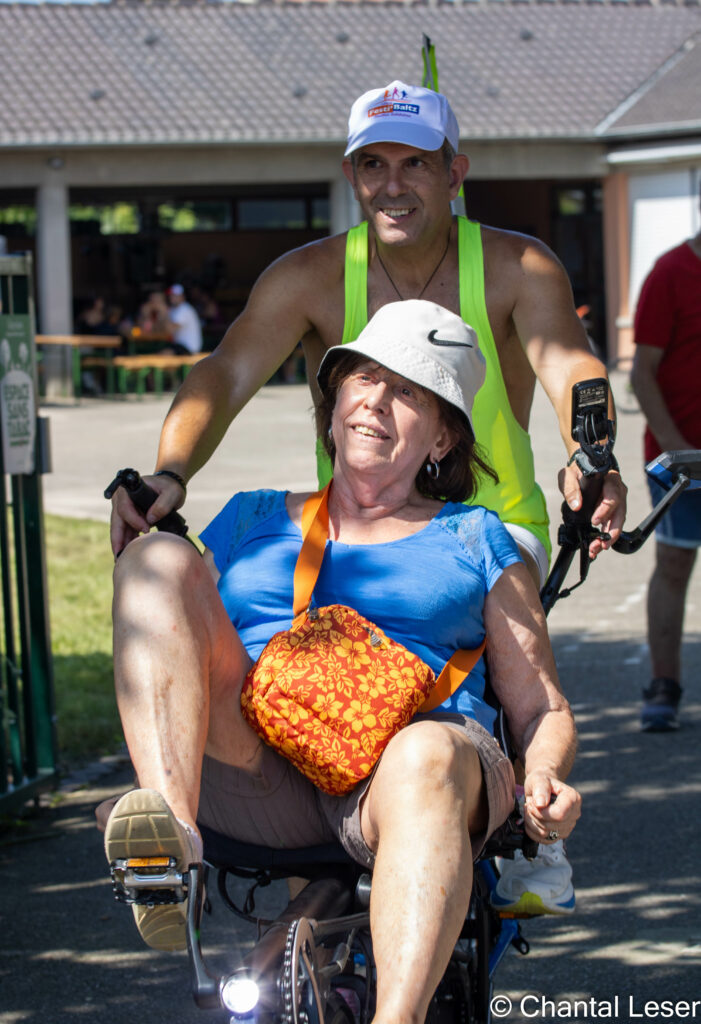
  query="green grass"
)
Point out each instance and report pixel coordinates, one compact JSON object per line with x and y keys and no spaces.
{"x":79,"y":564}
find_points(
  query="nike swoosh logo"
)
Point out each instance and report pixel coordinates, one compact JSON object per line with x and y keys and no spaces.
{"x":447,"y":343}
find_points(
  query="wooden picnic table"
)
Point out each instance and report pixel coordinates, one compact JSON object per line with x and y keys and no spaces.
{"x":139,"y":341}
{"x":77,"y":342}
{"x":153,"y":364}
{"x":145,"y":356}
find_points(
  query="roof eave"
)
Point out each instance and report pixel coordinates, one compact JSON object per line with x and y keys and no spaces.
{"x":90,"y":142}
{"x":664,"y":130}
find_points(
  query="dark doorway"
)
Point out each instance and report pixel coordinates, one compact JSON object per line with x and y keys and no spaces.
{"x":214,"y":240}
{"x":567,"y":216}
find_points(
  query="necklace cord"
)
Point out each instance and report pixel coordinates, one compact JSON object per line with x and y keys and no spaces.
{"x":431,"y":277}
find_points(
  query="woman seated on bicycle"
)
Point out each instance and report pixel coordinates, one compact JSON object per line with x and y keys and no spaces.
{"x":434,"y":574}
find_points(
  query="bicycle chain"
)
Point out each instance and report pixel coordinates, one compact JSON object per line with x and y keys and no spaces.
{"x":290,"y":1013}
{"x":286,"y":978}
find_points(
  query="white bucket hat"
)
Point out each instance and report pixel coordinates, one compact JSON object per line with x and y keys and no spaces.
{"x":425,"y":343}
{"x":402,"y":113}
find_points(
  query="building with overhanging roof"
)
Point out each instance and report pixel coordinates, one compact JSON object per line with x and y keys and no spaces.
{"x":142,"y":142}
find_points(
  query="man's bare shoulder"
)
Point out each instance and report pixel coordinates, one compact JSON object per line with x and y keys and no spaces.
{"x":300,"y":296}
{"x":316,"y":263}
{"x":506,"y":251}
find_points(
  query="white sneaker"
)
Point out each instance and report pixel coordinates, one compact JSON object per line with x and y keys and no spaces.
{"x":539,"y":886}
{"x":142,"y":826}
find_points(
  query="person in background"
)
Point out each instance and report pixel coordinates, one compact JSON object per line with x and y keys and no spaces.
{"x":210,"y":314}
{"x":154,"y":315}
{"x":666,"y":379}
{"x":185,"y":326}
{"x":93,"y":318}
{"x":205,"y":306}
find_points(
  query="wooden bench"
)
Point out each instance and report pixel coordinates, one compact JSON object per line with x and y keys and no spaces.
{"x":77,"y":342}
{"x":156,"y":364}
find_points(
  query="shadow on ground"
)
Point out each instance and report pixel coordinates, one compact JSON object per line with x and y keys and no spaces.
{"x":70,"y":955}
{"x":636,"y":932}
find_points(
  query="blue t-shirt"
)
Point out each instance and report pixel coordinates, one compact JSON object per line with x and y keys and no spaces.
{"x":426,"y":591}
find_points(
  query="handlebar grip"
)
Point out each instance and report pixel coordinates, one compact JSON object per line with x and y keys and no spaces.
{"x":591,"y":487}
{"x":143,"y":498}
{"x":141,"y":494}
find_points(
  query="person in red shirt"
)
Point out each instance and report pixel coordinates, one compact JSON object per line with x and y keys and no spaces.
{"x":666,"y":378}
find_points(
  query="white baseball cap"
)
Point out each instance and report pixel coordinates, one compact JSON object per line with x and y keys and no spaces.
{"x":425,"y":343}
{"x":402,"y":113}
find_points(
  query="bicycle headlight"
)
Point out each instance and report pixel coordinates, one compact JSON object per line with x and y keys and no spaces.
{"x":239,"y":994}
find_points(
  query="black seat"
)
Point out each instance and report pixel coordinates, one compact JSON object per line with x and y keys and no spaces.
{"x":224,"y":852}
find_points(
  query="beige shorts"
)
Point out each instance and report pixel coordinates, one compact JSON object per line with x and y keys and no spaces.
{"x":270,"y":803}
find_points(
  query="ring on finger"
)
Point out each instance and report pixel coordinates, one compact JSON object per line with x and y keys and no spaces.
{"x":553,"y":834}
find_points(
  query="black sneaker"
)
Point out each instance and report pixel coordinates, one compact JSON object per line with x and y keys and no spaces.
{"x":660,"y":706}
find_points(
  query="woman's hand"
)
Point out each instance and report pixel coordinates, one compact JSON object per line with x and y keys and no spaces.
{"x":551,"y":807}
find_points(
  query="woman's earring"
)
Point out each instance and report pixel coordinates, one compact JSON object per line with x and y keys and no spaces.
{"x":329,"y":433}
{"x":433,"y":469}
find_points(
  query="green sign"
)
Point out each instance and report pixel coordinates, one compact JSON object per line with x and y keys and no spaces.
{"x":17,"y":395}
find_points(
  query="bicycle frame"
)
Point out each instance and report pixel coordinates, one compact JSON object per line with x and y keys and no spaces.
{"x":303,"y":960}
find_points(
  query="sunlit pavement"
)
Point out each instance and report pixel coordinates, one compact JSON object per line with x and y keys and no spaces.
{"x":68,"y":953}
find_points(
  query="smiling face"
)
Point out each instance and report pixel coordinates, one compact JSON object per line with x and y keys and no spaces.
{"x":384,"y":424}
{"x":404,"y":192}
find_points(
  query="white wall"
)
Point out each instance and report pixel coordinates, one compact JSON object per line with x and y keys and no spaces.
{"x":54,"y":259}
{"x":345,"y":211}
{"x":664,"y":210}
{"x":696,"y":191}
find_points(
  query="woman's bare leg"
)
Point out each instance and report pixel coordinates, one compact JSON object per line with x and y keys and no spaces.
{"x":426,"y":797}
{"x":179,"y":665}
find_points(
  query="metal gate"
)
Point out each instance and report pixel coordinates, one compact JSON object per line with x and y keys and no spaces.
{"x":27,"y":728}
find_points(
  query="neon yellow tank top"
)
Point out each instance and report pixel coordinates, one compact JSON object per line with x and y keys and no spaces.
{"x":517,"y":498}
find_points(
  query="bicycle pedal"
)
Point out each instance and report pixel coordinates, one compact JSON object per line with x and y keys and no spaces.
{"x":148,"y":881}
{"x":510,"y":915}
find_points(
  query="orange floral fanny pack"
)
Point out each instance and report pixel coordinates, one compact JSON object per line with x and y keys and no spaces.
{"x":330,"y":692}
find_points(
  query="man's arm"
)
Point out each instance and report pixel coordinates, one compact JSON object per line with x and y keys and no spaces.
{"x":524,"y":679}
{"x":558,"y":351}
{"x":644,"y":380}
{"x":654,"y":333}
{"x":218,"y":387}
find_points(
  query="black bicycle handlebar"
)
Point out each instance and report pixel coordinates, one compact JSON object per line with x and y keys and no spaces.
{"x":143,"y":497}
{"x":631,"y":541}
{"x":674,"y":470}
{"x":595,"y":460}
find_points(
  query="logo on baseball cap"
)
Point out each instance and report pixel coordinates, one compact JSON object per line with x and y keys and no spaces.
{"x":408,"y":114}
